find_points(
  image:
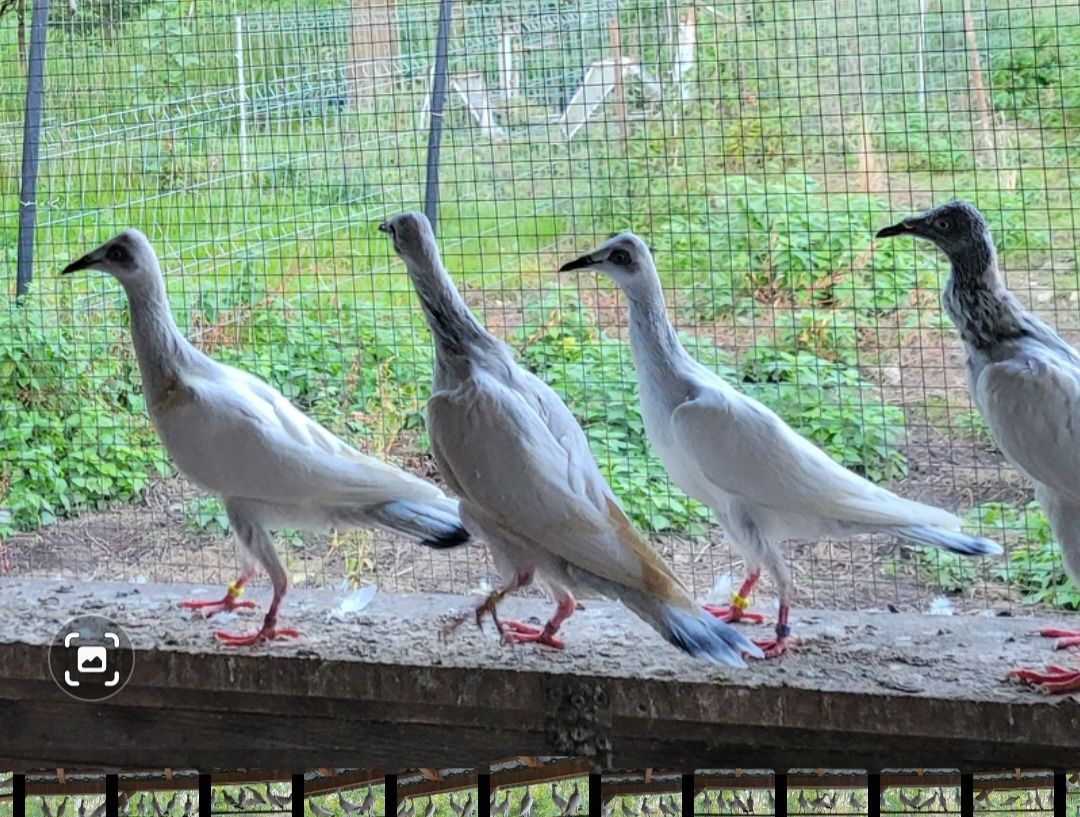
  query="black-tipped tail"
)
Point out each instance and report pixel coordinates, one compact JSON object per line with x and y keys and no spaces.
{"x":951,"y":540}
{"x":436,"y":525}
{"x":446,"y":541}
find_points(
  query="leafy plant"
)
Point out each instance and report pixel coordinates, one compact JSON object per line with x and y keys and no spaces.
{"x":66,"y":441}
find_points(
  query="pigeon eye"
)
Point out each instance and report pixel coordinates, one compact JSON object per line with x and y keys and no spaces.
{"x":117,"y":254}
{"x":942,"y":225}
{"x":620,"y":257}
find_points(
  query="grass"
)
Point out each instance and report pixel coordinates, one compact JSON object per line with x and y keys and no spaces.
{"x":758,"y":191}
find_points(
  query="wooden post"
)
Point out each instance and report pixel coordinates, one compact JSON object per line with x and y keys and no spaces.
{"x":389,"y":796}
{"x":780,"y":795}
{"x":298,"y":795}
{"x":967,"y":784}
{"x":112,"y":795}
{"x":206,"y":796}
{"x":980,"y":100}
{"x":373,"y":47}
{"x":688,"y":795}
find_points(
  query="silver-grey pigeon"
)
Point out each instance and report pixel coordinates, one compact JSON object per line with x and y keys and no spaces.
{"x":1025,"y":381}
{"x":528,"y":483}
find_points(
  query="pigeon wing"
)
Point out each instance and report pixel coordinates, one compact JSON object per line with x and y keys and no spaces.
{"x":746,"y":450}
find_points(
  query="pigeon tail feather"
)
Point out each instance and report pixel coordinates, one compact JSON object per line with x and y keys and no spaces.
{"x":950,"y":540}
{"x":433,"y":527}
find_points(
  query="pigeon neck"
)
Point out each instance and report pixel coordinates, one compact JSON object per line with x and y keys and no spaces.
{"x":653,"y":342}
{"x":977,"y":301}
{"x":159,"y":347}
{"x":453,"y":326}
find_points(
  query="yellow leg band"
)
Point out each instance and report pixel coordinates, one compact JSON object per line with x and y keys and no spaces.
{"x":234,"y":591}
{"x":742,"y":602}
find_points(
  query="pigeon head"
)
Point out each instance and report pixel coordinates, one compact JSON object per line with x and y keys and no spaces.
{"x":624,"y":258}
{"x":412,"y":236}
{"x":956,"y":228}
{"x":126,"y":257}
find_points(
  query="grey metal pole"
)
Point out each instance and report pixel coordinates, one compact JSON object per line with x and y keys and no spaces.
{"x":35,"y":93}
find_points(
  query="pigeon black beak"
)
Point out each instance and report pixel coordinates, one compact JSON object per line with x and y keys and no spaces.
{"x":85,"y":262}
{"x":903,"y":228}
{"x":585,"y":262}
{"x":385,"y":228}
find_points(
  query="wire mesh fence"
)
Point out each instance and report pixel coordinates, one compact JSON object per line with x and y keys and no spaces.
{"x":757,"y":146}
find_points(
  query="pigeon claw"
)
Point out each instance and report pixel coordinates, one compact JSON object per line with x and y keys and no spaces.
{"x":516,"y":632}
{"x":267,"y":633}
{"x":1066,"y":638}
{"x":773,"y":648}
{"x":1054,"y":680}
{"x":730,"y":614}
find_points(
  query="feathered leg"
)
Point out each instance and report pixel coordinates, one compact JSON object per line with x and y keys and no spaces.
{"x":257,"y":541}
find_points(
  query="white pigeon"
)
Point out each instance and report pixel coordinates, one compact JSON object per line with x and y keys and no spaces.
{"x":469,"y":809}
{"x":271,"y":465}
{"x":430,"y":808}
{"x":528,"y":483}
{"x":1024,"y":379}
{"x":764,"y":482}
{"x":526,"y":806}
{"x":319,"y":811}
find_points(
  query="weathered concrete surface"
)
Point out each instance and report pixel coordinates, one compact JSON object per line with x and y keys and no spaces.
{"x":380,"y":689}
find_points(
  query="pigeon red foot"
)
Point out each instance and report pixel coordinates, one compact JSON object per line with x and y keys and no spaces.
{"x":736,"y":611}
{"x":269,"y":631}
{"x":1066,"y":638}
{"x":1054,"y":680}
{"x":518,"y":633}
{"x":774,"y":648}
{"x":223,"y":605}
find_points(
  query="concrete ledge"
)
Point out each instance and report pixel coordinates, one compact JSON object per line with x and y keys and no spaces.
{"x":380,"y":689}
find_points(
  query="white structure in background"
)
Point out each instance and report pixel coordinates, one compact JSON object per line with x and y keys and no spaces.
{"x":509,"y":51}
{"x":597,"y":85}
{"x":685,"y":45}
{"x":473,"y":92}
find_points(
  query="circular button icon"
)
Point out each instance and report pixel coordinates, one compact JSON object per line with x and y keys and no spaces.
{"x":91,"y":658}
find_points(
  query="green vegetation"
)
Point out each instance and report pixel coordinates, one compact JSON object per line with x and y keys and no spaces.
{"x":759,"y":189}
